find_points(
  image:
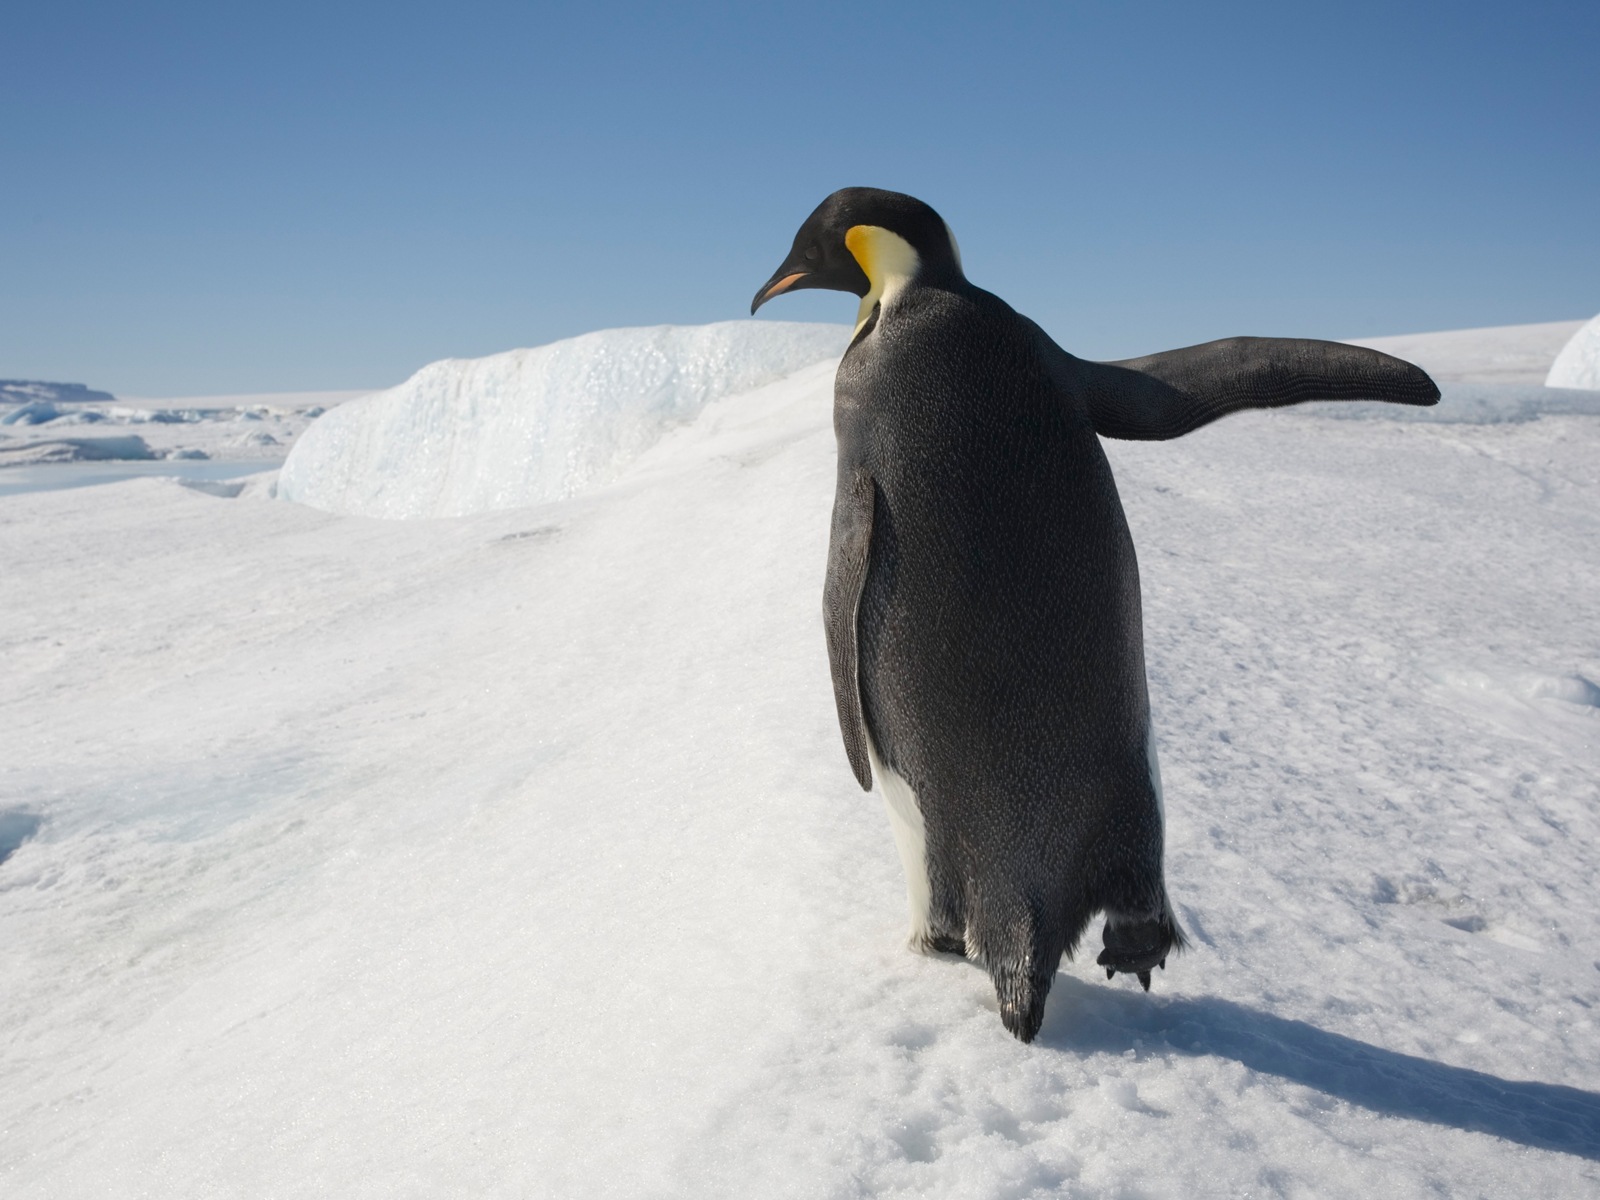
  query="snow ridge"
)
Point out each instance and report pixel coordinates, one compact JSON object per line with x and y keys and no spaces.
{"x":530,"y":426}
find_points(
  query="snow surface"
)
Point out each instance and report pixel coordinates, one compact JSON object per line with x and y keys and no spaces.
{"x":1578,"y":364}
{"x":526,"y":426}
{"x":516,"y":854}
{"x":1498,"y":354}
{"x":1484,"y":375}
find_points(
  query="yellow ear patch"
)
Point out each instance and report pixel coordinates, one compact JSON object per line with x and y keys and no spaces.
{"x":888,"y":260}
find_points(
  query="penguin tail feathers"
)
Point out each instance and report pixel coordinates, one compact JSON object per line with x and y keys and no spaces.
{"x":1021,"y":952}
{"x":1021,"y":991}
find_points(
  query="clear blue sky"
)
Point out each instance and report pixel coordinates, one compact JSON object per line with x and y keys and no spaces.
{"x":248,"y":197}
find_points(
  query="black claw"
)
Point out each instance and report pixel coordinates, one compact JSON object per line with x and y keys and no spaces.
{"x":1138,"y":947}
{"x":1144,"y":978}
{"x":1110,"y":971}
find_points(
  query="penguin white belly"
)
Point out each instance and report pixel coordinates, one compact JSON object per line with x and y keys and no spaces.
{"x":911,"y":839}
{"x":1155,"y":769}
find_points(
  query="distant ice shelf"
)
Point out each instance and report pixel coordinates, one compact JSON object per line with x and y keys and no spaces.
{"x":530,"y":426}
{"x":34,"y":391}
{"x":257,"y":429}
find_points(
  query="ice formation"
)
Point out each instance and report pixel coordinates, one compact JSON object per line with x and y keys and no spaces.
{"x":1578,"y":364}
{"x":528,"y":426}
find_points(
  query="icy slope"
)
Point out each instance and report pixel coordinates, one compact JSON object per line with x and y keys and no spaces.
{"x":1578,"y":364}
{"x":468,"y":435}
{"x":517,"y":854}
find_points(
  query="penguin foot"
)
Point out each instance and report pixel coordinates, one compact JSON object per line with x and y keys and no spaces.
{"x":1136,"y":947}
{"x":1144,"y":976}
{"x":944,"y":943}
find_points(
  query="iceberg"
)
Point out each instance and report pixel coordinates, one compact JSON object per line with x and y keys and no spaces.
{"x":530,"y":426}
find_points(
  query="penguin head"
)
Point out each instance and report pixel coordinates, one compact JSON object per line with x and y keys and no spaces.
{"x":866,"y":241}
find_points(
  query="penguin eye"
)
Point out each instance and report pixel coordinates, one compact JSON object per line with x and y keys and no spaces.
{"x":812,"y":253}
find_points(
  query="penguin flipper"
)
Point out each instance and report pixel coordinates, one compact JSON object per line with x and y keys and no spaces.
{"x":848,"y":550}
{"x":1167,"y":395}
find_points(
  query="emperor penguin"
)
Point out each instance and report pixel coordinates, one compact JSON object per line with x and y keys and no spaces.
{"x":982,"y":597}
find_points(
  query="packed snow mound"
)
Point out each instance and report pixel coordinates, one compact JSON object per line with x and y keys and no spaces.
{"x":1578,"y":364}
{"x":529,"y":426}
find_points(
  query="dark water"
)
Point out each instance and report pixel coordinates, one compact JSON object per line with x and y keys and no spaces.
{"x":50,"y":477}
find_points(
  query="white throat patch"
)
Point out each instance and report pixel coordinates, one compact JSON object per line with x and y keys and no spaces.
{"x":888,"y":260}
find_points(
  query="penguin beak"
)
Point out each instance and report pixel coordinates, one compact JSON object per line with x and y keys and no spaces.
{"x":809,"y":265}
{"x":780,"y":283}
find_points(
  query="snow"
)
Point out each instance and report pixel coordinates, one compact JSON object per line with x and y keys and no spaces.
{"x":469,"y":435}
{"x":1504,"y":354}
{"x":1485,"y":375}
{"x":516,"y":853}
{"x":1578,"y":364}
{"x":79,"y":472}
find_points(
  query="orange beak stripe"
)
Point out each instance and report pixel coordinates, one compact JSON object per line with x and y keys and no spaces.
{"x":781,"y":286}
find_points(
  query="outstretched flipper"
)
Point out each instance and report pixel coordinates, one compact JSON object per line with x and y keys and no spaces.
{"x":1167,"y":395}
{"x":848,"y":549}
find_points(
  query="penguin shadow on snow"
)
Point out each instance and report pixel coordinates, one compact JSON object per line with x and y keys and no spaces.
{"x":1087,"y":1018}
{"x":16,"y":827}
